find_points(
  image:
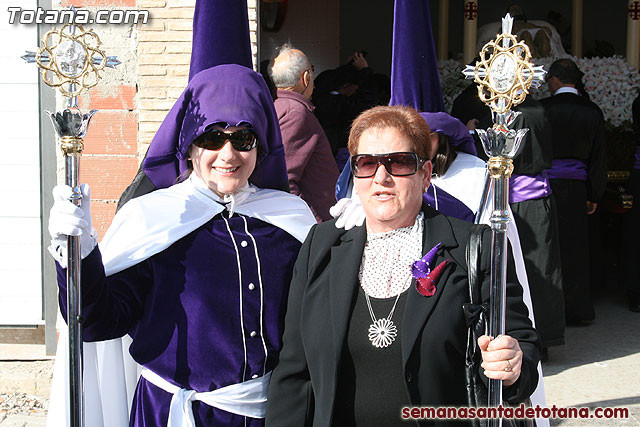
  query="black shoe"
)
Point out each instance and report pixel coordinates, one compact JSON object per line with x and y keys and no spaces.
{"x":576,"y":321}
{"x":634,"y":302}
{"x":544,"y":357}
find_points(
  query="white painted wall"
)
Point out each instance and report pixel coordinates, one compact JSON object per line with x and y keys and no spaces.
{"x":20,"y":247}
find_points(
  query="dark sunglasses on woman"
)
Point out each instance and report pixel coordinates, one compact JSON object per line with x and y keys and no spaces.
{"x":241,"y":140}
{"x":396,"y":164}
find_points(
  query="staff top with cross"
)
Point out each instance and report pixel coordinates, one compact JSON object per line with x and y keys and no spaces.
{"x":70,"y":60}
{"x":504,"y":73}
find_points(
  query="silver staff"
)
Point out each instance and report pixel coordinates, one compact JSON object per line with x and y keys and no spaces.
{"x":70,"y":60}
{"x":504,"y":76}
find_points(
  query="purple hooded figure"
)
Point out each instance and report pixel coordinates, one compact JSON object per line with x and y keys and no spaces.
{"x":226,"y":95}
{"x":190,"y":281}
{"x":226,"y":42}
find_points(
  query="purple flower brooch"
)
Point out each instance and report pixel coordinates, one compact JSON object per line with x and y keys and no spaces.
{"x":426,"y":278}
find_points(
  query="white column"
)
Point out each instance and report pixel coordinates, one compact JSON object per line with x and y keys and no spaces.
{"x":470,"y":36}
{"x":443,"y":30}
{"x":633,"y":33}
{"x":576,"y":28}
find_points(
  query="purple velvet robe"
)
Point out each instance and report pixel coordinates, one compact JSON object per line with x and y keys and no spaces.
{"x":195,"y":318}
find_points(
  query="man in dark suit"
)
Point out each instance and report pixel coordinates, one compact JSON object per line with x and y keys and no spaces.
{"x":578,"y":179}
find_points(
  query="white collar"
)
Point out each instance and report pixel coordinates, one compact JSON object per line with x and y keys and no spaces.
{"x":151,"y":223}
{"x":463,"y":180}
{"x":229,"y":201}
{"x":566,"y":89}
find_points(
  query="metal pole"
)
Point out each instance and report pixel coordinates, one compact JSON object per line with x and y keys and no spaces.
{"x":501,"y":143}
{"x":499,"y":168}
{"x":72,"y":147}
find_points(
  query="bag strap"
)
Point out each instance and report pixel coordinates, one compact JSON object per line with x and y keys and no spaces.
{"x":474,"y":249}
{"x":474,"y":310}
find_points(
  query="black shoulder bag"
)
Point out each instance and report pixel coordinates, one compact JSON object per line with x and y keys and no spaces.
{"x":476,"y":315}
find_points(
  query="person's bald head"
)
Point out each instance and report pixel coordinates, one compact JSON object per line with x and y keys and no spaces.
{"x":291,"y":70}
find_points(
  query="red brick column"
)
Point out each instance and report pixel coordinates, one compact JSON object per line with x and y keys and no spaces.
{"x":110,"y":158}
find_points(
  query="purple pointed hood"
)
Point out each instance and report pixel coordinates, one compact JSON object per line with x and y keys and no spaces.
{"x":220,"y":35}
{"x":226,"y":94}
{"x":415,"y":78}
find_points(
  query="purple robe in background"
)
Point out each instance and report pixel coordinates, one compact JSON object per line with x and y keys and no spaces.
{"x":200,"y":327}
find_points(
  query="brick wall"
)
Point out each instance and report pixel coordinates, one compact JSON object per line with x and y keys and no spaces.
{"x":134,"y":98}
{"x":164,"y":48}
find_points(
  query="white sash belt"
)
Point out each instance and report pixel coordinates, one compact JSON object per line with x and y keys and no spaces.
{"x":248,"y":398}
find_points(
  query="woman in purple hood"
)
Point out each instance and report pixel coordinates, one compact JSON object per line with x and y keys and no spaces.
{"x":196,"y":273}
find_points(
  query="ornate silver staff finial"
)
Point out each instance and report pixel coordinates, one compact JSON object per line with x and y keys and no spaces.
{"x":504,"y":76}
{"x":504,"y":73}
{"x":71,"y":60}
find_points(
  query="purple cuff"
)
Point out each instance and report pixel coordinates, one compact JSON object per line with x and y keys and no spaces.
{"x":636,"y":163}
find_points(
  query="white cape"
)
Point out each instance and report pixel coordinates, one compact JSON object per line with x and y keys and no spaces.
{"x":142,"y":228}
{"x":465,"y":181}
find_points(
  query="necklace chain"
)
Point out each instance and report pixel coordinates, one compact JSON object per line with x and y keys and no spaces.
{"x":382,"y":332}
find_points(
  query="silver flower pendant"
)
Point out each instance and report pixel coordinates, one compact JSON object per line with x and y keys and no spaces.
{"x":382,"y":333}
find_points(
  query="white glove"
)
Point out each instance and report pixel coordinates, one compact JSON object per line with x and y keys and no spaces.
{"x":349,"y":213}
{"x":67,"y":219}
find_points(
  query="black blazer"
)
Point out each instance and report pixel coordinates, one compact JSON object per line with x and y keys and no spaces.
{"x":432,"y":338}
{"x":578,"y":132}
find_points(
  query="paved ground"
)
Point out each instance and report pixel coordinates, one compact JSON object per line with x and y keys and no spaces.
{"x":598,"y":367}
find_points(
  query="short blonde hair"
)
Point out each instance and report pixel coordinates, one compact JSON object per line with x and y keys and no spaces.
{"x":405,"y":119}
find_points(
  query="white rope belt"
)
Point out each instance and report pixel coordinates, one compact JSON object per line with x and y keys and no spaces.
{"x":248,"y":398}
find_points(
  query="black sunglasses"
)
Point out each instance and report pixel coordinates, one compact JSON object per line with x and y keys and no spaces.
{"x":397,"y":164}
{"x":241,"y":140}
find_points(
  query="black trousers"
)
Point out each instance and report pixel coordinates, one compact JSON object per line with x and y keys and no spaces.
{"x":630,"y":254}
{"x":571,"y":198}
